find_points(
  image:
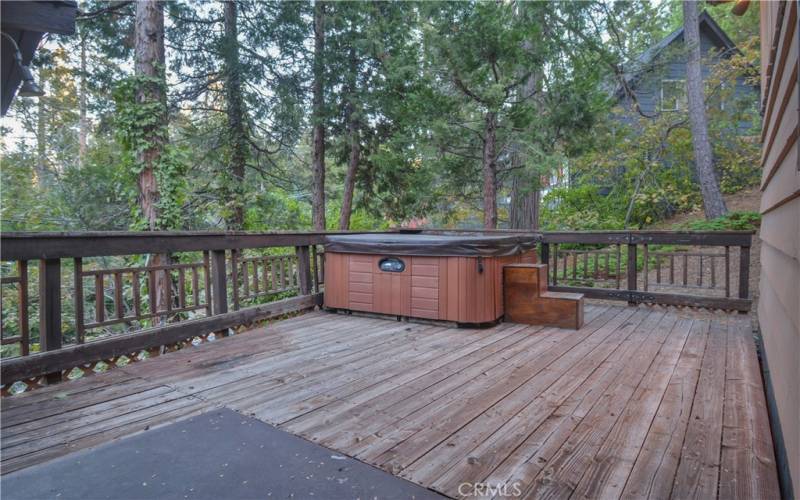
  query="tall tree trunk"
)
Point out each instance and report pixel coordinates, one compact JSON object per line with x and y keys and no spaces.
{"x":490,"y":170}
{"x":525,"y":192}
{"x":41,"y":136}
{"x":149,"y":63}
{"x":236,"y":120}
{"x":525,"y":199}
{"x":318,"y":161}
{"x":83,"y":124}
{"x":355,"y":144}
{"x":350,"y":176}
{"x":713,"y":203}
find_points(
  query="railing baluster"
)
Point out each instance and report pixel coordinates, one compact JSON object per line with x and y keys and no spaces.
{"x":182,"y":288}
{"x":168,"y":291}
{"x":713,"y":272}
{"x":207,"y":279}
{"x":151,"y":292}
{"x":574,"y":265}
{"x":727,"y":271}
{"x":24,"y":327}
{"x":218,"y":282}
{"x":632,"y":278}
{"x":555,"y":264}
{"x":255,"y":276}
{"x":685,"y":269}
{"x":744,"y":272}
{"x":235,"y":278}
{"x":619,"y":266}
{"x":118,"y":306}
{"x":658,"y":269}
{"x":195,"y":285}
{"x":596,"y":264}
{"x":315,"y":261}
{"x":646,"y":270}
{"x":245,"y":279}
{"x":700,"y":273}
{"x":137,"y":294}
{"x":585,"y":265}
{"x":80,"y":332}
{"x":99,"y":299}
{"x":671,"y":269}
{"x":266,"y":276}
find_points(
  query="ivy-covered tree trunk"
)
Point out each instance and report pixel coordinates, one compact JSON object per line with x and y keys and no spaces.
{"x":318,"y":117}
{"x":236,"y":120}
{"x":713,"y":203}
{"x":490,"y":170}
{"x":149,"y":68}
{"x":355,"y":144}
{"x":151,"y":95}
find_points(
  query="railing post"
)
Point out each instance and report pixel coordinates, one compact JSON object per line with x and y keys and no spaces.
{"x":303,"y":270}
{"x":632,"y":270}
{"x":50,"y":310}
{"x":545,"y":256}
{"x":218,"y":282}
{"x":744,"y":272}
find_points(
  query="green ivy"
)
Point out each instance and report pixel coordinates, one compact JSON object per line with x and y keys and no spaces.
{"x":140,"y":127}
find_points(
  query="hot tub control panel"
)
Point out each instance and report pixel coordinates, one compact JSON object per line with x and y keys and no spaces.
{"x":391,"y":265}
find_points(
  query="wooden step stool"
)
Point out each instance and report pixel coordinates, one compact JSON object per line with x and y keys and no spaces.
{"x":527,"y":300}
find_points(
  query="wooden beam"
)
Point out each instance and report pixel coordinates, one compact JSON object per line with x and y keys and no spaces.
{"x":304,"y":269}
{"x":50,"y":311}
{"x":219,"y":285}
{"x":68,"y":357}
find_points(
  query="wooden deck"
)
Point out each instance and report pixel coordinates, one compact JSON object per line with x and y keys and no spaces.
{"x":641,"y":402}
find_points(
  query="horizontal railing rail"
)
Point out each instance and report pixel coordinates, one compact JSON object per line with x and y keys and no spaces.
{"x":83,"y":301}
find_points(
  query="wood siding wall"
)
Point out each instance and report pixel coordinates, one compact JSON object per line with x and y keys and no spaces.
{"x":440,"y":288}
{"x":779,"y":302}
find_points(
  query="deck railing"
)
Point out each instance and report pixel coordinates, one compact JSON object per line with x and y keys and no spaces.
{"x":84,"y":301}
{"x":698,"y":269}
{"x":76,"y":303}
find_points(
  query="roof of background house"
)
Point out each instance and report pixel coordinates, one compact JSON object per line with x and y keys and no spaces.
{"x":640,"y":63}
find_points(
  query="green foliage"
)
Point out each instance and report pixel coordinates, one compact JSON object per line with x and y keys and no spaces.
{"x":140,"y":128}
{"x":734,"y":221}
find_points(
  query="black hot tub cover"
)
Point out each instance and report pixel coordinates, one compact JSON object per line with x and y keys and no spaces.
{"x":463,"y":245}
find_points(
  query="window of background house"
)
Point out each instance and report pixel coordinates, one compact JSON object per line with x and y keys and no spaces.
{"x":673,"y":95}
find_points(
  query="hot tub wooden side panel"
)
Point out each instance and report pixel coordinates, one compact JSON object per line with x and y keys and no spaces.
{"x":439,"y":288}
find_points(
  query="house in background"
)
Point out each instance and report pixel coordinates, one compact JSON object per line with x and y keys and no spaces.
{"x":657,"y":78}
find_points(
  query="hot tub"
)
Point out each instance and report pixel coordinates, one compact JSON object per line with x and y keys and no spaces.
{"x":441,"y":277}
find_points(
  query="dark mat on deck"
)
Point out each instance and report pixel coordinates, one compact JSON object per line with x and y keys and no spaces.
{"x":218,"y":455}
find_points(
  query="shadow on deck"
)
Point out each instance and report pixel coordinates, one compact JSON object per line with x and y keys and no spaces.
{"x":646,"y":401}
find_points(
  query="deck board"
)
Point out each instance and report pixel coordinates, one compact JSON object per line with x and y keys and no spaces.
{"x":640,"y":402}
